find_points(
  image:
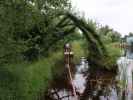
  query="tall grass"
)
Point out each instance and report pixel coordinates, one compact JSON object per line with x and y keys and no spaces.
{"x":25,"y":81}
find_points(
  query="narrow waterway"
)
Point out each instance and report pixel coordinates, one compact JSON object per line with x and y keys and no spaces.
{"x":79,"y":82}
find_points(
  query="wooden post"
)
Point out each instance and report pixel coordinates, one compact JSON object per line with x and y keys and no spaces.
{"x":68,"y":53}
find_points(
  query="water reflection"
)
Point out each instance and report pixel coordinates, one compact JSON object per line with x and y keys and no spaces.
{"x":125,"y":76}
{"x":79,"y":82}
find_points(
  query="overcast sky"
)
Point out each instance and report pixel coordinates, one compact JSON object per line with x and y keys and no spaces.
{"x":118,"y":14}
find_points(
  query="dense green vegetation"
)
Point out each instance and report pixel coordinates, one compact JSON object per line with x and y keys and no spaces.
{"x":110,"y":38}
{"x":32,"y":36}
{"x":27,"y":31}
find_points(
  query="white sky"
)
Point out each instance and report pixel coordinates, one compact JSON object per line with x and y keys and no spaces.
{"x":118,"y":14}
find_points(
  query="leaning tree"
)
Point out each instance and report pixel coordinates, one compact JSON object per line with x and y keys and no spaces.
{"x":67,"y":24}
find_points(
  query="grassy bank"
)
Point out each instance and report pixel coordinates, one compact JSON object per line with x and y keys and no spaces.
{"x":25,"y":81}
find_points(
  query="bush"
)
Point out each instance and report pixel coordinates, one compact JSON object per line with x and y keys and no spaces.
{"x":25,"y":81}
